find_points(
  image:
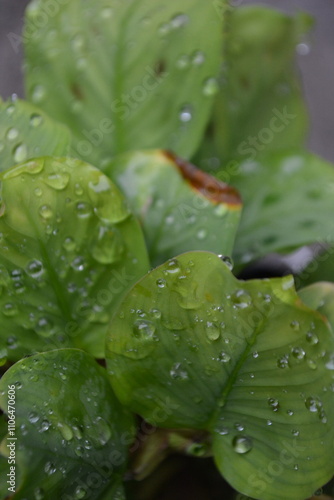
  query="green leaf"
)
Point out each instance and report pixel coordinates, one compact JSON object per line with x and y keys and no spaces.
{"x":288,"y":203}
{"x":180,"y":207}
{"x":129,"y":75}
{"x":193,"y":347}
{"x":69,"y":250}
{"x":321,"y":268}
{"x":27,"y":132}
{"x":260,"y":105}
{"x":320,"y":296}
{"x":72,"y":433}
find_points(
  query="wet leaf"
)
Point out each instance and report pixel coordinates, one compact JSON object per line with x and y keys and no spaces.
{"x":72,"y":433}
{"x":69,"y":250}
{"x":260,"y":106}
{"x":27,"y":132}
{"x":131,"y":75}
{"x":193,"y":347}
{"x":288,"y":202}
{"x":320,"y":296}
{"x":180,"y":207}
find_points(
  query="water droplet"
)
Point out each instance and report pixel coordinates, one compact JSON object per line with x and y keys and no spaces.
{"x":80,"y":492}
{"x":108,"y":245}
{"x":45,"y":425}
{"x":212,"y":331}
{"x":65,"y":431}
{"x":155,"y":313}
{"x":20,"y":153}
{"x":274,"y":404}
{"x":269,"y":422}
{"x":78,"y":189}
{"x":161,"y":283}
{"x":39,"y":494}
{"x":79,"y":263}
{"x":295,"y":326}
{"x":313,"y":404}
{"x":311,"y":364}
{"x":210,"y":87}
{"x":84,"y":209}
{"x":143,"y":329}
{"x":224,"y":357}
{"x":38,"y":93}
{"x":312,"y":338}
{"x":172,"y":267}
{"x":298,"y":353}
{"x":12,"y":134}
{"x":227,"y":261}
{"x":50,"y":468}
{"x":283,"y":362}
{"x":3,"y":357}
{"x":35,"y":269}
{"x":69,"y":244}
{"x":241,"y":299}
{"x":303,"y":49}
{"x":185,"y":114}
{"x":103,"y":430}
{"x":10,"y":110}
{"x":45,"y":211}
{"x":183,"y":62}
{"x":201,"y":234}
{"x":295,"y":432}
{"x":198,"y":58}
{"x":295,"y":467}
{"x":58,"y":180}
{"x":242,"y":444}
{"x":36,"y":120}
{"x":179,"y":21}
{"x":38,"y":192}
{"x":44,"y":327}
{"x":178,"y":372}
{"x":9,"y":309}
{"x":33,"y":417}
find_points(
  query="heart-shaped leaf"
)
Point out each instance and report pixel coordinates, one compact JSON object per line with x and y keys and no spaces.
{"x":180,"y":207}
{"x":69,"y":250}
{"x":246,"y":361}
{"x":27,"y":132}
{"x":259,"y":106}
{"x":71,"y":433}
{"x":130,"y":75}
{"x":288,"y":202}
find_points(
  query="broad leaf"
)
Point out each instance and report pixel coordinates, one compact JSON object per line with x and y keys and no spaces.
{"x":320,"y":296}
{"x":193,"y":347}
{"x":27,"y":132}
{"x":259,"y":106}
{"x":288,"y":202}
{"x":180,"y":207}
{"x":69,"y":249}
{"x":71,"y":432}
{"x":125,"y":75}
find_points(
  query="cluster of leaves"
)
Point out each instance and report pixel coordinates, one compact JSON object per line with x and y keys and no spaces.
{"x":240,"y":371}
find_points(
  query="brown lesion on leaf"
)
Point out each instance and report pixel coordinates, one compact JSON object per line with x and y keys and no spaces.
{"x":160,"y":67}
{"x":213,"y":189}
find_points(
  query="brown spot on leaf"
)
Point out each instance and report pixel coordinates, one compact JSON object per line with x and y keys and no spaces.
{"x":213,"y":189}
{"x":76,"y":91}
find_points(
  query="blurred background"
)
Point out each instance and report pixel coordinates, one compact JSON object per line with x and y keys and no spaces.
{"x":316,"y":65}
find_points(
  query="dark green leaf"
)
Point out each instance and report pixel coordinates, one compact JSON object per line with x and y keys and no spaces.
{"x":69,"y":250}
{"x":125,"y":75}
{"x":72,"y":433}
{"x":180,"y":207}
{"x":193,"y":347}
{"x":288,"y":202}
{"x":260,"y":105}
{"x":321,"y":268}
{"x":27,"y":132}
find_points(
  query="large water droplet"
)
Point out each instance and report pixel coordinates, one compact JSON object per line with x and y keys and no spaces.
{"x":84,"y":210}
{"x":20,"y":153}
{"x":35,"y":269}
{"x":178,"y":372}
{"x":12,"y":134}
{"x":58,"y":180}
{"x":103,"y":430}
{"x":313,"y":404}
{"x":65,"y":431}
{"x":36,"y":120}
{"x":108,"y":246}
{"x":242,"y":444}
{"x":241,"y":299}
{"x":143,"y":329}
{"x":210,"y":87}
{"x":46,"y":212}
{"x":185,"y":114}
{"x":298,"y":353}
{"x":212,"y":331}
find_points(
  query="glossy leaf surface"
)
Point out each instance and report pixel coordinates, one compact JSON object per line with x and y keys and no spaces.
{"x":180,"y":207}
{"x":72,"y":433}
{"x":130,"y":75}
{"x":69,"y":249}
{"x":193,"y":347}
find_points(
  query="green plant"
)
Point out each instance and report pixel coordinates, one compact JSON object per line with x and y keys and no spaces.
{"x":123,"y":325}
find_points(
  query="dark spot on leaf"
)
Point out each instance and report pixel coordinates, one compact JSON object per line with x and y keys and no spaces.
{"x":216,"y":191}
{"x":160,"y":68}
{"x":271,"y":198}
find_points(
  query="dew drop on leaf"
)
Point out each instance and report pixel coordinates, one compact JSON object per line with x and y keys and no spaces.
{"x":242,"y":444}
{"x":312,"y":338}
{"x":161,"y":283}
{"x":33,"y":417}
{"x":9,"y":309}
{"x":212,"y":331}
{"x":185,"y":115}
{"x":84,"y":210}
{"x":80,"y":492}
{"x":224,"y":357}
{"x":38,"y":94}
{"x":35,"y":269}
{"x":143,"y":329}
{"x":274,"y":404}
{"x":298,"y":353}
{"x":295,"y":326}
{"x":65,"y":431}
{"x":35,"y":120}
{"x":58,"y":180}
{"x":227,"y":261}
{"x":20,"y":153}
{"x":210,"y":87}
{"x":12,"y":134}
{"x":69,"y":244}
{"x":178,"y":372}
{"x":45,"y":211}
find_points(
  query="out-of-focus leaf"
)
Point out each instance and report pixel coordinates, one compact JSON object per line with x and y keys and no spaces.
{"x":180,"y":207}
{"x":72,"y":433}
{"x":259,"y":106}
{"x":320,"y":296}
{"x":125,"y":75}
{"x":288,"y":202}
{"x":27,"y":132}
{"x":69,"y":250}
{"x":321,"y":268}
{"x":193,"y":347}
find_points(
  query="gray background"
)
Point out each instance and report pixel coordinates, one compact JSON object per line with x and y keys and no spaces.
{"x":317,"y":67}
